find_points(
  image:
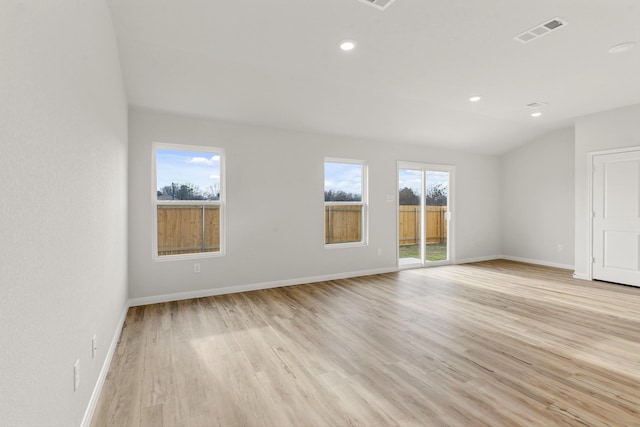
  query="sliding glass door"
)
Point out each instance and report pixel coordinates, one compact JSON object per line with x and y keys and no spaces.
{"x":424,"y":214}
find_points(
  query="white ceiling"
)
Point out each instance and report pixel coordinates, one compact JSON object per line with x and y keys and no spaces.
{"x":277,"y":63}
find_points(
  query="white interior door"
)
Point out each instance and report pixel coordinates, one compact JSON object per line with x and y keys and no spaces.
{"x":616,"y":217}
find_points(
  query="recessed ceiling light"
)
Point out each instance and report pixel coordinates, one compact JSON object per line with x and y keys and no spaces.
{"x":347,"y":45}
{"x":475,"y":98}
{"x":536,"y":114}
{"x":622,"y":47}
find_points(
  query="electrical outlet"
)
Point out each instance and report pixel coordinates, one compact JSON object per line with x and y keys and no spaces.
{"x":76,"y":375}
{"x":94,"y":347}
{"x":560,"y":248}
{"x":196,"y":267}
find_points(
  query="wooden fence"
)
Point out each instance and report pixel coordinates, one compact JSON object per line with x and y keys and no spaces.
{"x":409,"y":227}
{"x":181,"y":229}
{"x":343,"y":224}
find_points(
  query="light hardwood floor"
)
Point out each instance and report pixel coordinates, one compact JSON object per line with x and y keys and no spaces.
{"x":488,"y":344}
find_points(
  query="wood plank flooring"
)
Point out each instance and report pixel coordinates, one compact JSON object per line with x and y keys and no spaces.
{"x":489,"y":344}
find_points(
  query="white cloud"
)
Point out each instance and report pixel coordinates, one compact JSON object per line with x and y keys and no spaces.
{"x":345,"y":177}
{"x":204,"y":161}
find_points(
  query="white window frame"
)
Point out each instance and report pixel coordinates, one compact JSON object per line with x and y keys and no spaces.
{"x":364,"y":232}
{"x":155,"y":202}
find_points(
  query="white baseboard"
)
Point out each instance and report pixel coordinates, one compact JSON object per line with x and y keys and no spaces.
{"x":95,"y":396}
{"x":477,"y":259}
{"x":157,"y":299}
{"x":519,"y":259}
{"x":581,"y":276}
{"x":253,"y":287}
{"x":538,"y":262}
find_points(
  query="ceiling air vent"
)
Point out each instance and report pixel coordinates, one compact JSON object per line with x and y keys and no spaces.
{"x":541,"y":30}
{"x":378,"y":4}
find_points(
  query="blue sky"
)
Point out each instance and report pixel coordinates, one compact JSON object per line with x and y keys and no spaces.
{"x":203,"y":170}
{"x":345,"y":177}
{"x":199,"y":168}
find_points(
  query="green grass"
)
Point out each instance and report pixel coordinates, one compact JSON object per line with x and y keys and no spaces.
{"x":435,"y":251}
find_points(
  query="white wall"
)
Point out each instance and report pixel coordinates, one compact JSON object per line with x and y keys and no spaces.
{"x":613,"y":129}
{"x":63,"y":220}
{"x":275,"y":214}
{"x":538,"y":201}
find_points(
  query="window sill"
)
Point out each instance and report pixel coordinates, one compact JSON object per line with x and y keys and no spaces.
{"x":179,"y":257}
{"x":344,"y":245}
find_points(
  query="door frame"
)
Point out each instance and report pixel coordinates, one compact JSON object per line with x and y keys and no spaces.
{"x":451,"y":224}
{"x":591,"y":156}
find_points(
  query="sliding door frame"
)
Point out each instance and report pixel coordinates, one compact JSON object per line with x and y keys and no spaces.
{"x":428,"y":167}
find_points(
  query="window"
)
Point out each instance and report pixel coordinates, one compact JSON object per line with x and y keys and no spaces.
{"x":188,"y":201}
{"x":345,"y":202}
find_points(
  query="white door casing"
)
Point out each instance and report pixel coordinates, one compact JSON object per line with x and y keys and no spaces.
{"x":616,"y":217}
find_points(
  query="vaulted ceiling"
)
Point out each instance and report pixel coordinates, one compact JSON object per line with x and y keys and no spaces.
{"x":277,"y":63}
